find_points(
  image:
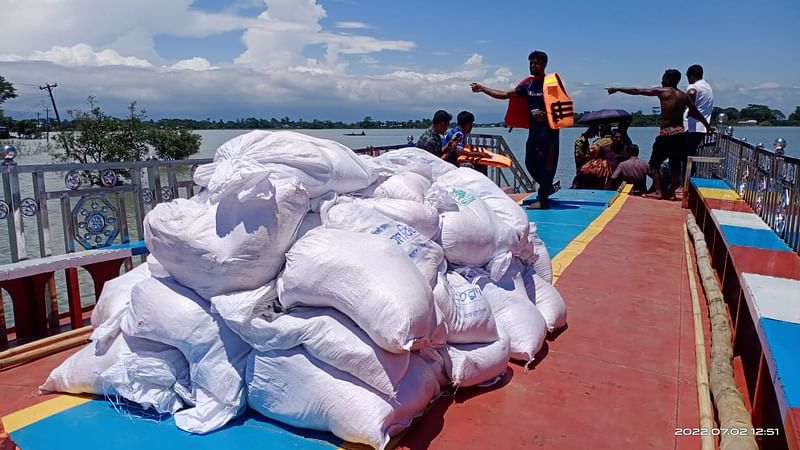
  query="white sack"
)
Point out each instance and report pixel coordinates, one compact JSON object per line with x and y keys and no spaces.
{"x":321,"y":165}
{"x":436,"y":358}
{"x":466,"y":311}
{"x":113,"y":302}
{"x":472,"y":235}
{"x":154,"y":375}
{"x":498,"y":201}
{"x":547,"y":300}
{"x":162,"y":310}
{"x":309,"y":222}
{"x":155,"y":369}
{"x":332,"y":338}
{"x":360,"y":217}
{"x":230,"y":245}
{"x":514,"y":313}
{"x":247,"y":313}
{"x":403,"y":186}
{"x":542,"y":263}
{"x":412,"y":156}
{"x":388,"y":166}
{"x":367,"y":278}
{"x":422,"y":217}
{"x":474,"y":364}
{"x":296,"y":389}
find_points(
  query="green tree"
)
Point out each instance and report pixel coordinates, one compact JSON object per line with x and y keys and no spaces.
{"x":795,"y":116}
{"x":173,"y":144}
{"x":96,"y":137}
{"x":26,"y":128}
{"x":760,"y":113}
{"x":7,"y":91}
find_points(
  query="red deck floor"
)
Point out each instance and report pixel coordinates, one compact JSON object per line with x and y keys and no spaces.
{"x":622,"y":376}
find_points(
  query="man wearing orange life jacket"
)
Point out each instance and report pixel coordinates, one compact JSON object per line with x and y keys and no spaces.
{"x":541,"y":149}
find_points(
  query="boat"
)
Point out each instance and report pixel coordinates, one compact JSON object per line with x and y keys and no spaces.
{"x":626,"y":372}
{"x":356,"y":134}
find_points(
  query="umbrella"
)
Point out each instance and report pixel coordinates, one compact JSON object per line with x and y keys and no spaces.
{"x":604,"y":116}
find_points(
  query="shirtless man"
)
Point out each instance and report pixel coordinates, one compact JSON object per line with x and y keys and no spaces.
{"x":670,"y":142}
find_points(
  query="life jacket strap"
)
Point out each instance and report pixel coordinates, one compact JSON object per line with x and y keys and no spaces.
{"x":561,"y":110}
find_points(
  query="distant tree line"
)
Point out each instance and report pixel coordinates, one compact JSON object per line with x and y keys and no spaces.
{"x":762,"y":115}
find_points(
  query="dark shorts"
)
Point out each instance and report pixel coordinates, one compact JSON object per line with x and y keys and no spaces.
{"x":693,"y":140}
{"x":672,"y":147}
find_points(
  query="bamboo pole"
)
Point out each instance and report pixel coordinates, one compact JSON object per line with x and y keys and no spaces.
{"x":703,"y":391}
{"x":43,"y":347}
{"x":727,"y":398}
{"x":41,"y":352}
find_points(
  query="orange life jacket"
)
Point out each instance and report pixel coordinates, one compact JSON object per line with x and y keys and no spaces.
{"x":557,"y":103}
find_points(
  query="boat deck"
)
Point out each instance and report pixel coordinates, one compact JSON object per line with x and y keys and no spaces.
{"x":622,"y":375}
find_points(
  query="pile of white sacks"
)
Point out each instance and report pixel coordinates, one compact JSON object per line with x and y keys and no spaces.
{"x":323,"y":289}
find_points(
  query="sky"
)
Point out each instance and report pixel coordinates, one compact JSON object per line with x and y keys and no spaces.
{"x":347,"y":59}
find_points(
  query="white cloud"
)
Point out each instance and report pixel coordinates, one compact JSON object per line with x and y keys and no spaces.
{"x":768,"y":85}
{"x":352,"y":25}
{"x":80,"y":55}
{"x":367,"y":60}
{"x":279,"y":36}
{"x":126,"y":26}
{"x":195,"y":63}
{"x":475,"y":60}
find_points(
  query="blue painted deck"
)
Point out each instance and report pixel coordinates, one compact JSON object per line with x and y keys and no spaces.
{"x":571,"y":211}
{"x":98,"y":425}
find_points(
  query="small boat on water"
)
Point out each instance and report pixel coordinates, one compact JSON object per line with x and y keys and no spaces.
{"x":624,"y":374}
{"x":356,"y":134}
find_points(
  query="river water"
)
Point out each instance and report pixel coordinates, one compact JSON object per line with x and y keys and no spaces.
{"x":34,"y":152}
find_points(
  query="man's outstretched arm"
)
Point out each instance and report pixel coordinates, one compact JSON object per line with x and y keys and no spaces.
{"x":494,"y":93}
{"x":652,"y":92}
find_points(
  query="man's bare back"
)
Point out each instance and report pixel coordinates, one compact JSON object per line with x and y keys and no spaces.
{"x":673,"y":103}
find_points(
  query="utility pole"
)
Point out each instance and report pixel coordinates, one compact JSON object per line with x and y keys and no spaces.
{"x":47,"y":119}
{"x":49,"y":88}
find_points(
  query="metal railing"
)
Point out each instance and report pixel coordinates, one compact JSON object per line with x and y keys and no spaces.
{"x":767,"y":180}
{"x":89,"y":216}
{"x":515,"y":178}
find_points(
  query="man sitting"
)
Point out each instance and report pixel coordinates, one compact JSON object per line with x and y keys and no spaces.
{"x":431,"y":139}
{"x":454,"y":140}
{"x":633,"y":170}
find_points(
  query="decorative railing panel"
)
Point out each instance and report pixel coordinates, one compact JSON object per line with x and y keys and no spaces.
{"x":37,"y":198}
{"x":767,"y":180}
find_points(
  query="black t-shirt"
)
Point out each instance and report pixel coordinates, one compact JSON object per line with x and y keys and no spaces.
{"x":533,"y":92}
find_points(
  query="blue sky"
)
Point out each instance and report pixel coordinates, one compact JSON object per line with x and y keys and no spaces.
{"x":346,"y":59}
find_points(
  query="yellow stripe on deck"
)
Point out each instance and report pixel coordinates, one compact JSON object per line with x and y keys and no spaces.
{"x":565,"y":257}
{"x":24,"y":417}
{"x":719,"y":194}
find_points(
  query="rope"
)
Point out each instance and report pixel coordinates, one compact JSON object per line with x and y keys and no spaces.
{"x":727,"y":398}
